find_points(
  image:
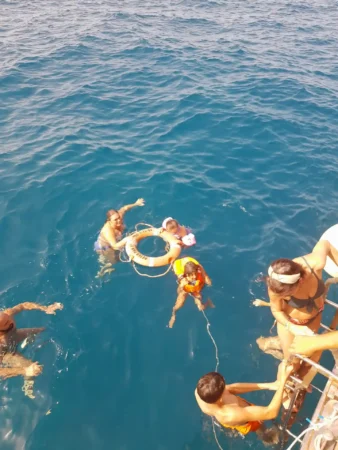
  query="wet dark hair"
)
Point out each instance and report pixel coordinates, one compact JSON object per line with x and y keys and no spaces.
{"x":270,"y":436}
{"x":110,"y":213}
{"x":190,"y":268}
{"x":211,"y":387}
{"x":284,"y":266}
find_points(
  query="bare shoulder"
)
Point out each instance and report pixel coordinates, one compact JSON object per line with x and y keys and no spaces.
{"x":229,"y":414}
{"x":274,"y":298}
{"x":311,"y":260}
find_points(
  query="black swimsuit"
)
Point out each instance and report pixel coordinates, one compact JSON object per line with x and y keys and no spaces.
{"x":308,"y":303}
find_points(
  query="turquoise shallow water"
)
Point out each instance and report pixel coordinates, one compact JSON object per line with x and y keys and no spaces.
{"x":223,"y":114}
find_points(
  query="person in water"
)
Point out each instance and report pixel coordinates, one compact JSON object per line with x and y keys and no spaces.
{"x":191,"y":280}
{"x":221,"y":401}
{"x":110,"y":237}
{"x":297,"y":293}
{"x":13,"y":363}
{"x":180,"y":232}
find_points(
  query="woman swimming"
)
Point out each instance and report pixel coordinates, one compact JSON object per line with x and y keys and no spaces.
{"x":297,"y":294}
{"x":181,"y":232}
{"x":110,"y":237}
{"x":191,"y":280}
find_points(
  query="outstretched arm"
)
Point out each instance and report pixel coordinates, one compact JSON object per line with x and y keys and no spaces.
{"x":259,"y":302}
{"x":28,"y":306}
{"x":276,"y":304}
{"x":110,"y":237}
{"x":320,"y":252}
{"x":243,"y":388}
{"x":124,"y":209}
{"x":9,"y":372}
{"x":206,"y":276}
{"x":32,"y":370}
{"x":238,"y":415}
{"x":307,"y":345}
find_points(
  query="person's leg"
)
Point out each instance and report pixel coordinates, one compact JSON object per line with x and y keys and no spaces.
{"x":202,"y":306}
{"x":286,"y":339}
{"x":182,"y":296}
{"x":107,"y":259}
{"x":306,"y":372}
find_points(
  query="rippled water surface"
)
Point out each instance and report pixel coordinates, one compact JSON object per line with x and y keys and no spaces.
{"x":222,"y":114}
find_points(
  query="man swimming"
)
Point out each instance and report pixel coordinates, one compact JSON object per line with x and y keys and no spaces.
{"x":13,"y":363}
{"x":221,"y":402}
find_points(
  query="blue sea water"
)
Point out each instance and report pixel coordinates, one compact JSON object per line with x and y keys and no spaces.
{"x":221,"y":114}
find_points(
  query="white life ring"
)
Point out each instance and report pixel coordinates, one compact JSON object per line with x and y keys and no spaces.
{"x":331,"y":235}
{"x":158,"y":261}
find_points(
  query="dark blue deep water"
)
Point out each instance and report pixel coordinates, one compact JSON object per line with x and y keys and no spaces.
{"x":222,"y":114}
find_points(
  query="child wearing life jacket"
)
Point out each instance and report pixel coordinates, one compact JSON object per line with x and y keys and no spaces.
{"x":191,"y":280}
{"x":180,"y":232}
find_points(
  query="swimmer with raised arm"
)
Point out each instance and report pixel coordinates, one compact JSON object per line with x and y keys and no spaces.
{"x":13,"y":363}
{"x":221,"y":401}
{"x":191,"y":280}
{"x":110,"y":237}
{"x":180,"y":232}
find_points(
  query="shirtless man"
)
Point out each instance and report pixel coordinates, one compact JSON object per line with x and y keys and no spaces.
{"x":221,"y":402}
{"x":12,"y":363}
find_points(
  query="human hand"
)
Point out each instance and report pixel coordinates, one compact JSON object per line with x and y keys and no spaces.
{"x":258,"y":302}
{"x":300,"y":330}
{"x":52,"y":308}
{"x":304,"y":345}
{"x":284,"y":371}
{"x":208,"y":280}
{"x":33,"y":370}
{"x":140,"y":202}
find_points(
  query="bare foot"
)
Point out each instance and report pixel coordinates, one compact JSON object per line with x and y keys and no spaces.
{"x":171,"y":322}
{"x":210,"y":304}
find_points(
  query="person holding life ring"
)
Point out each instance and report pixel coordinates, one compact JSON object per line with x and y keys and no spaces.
{"x":110,"y":238}
{"x":180,"y":232}
{"x":191,"y":280}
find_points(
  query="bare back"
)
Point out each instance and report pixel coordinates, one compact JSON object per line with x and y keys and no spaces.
{"x":220,"y":412}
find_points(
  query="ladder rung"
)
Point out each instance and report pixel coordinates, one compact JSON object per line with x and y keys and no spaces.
{"x":299,"y":381}
{"x":325,"y":327}
{"x":331,"y":303}
{"x":327,"y":373}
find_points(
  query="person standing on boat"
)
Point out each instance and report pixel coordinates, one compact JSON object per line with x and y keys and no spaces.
{"x":297,"y":292}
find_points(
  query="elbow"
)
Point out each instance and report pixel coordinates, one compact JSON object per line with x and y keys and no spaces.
{"x":272,"y":413}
